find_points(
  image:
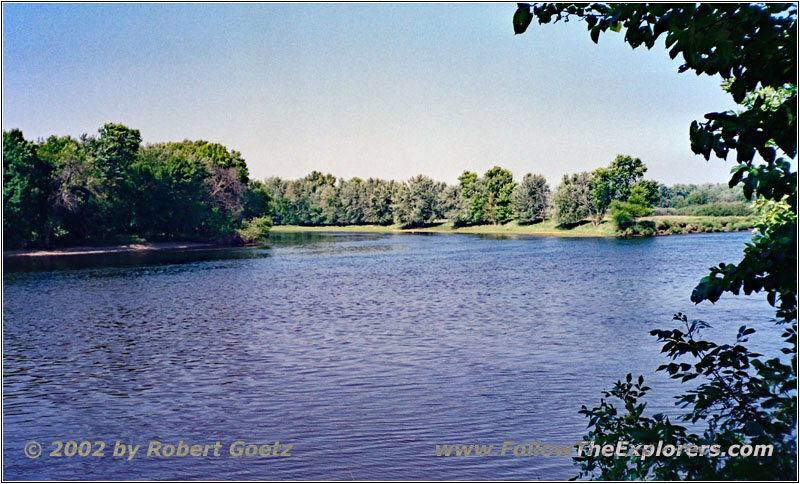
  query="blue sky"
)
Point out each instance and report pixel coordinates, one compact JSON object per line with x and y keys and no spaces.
{"x":381,"y":90}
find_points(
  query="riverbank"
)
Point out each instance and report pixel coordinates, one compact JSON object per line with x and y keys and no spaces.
{"x":110,"y":249}
{"x":662,"y":225}
{"x":542,"y":228}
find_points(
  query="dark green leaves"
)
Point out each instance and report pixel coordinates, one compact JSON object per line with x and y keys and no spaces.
{"x":522,"y":18}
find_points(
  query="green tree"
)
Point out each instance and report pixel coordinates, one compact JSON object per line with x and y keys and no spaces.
{"x":255,"y":230}
{"x":74,"y":184}
{"x":354,"y":201}
{"x":499,"y":190}
{"x":638,"y":204}
{"x":571,"y":201}
{"x":531,"y":198}
{"x":112,"y":155}
{"x":257,"y":200}
{"x":613,"y":183}
{"x":450,"y":204}
{"x":379,"y":206}
{"x":742,"y":398}
{"x":415,"y":202}
{"x":475,"y":199}
{"x":182,"y":193}
{"x":26,"y":188}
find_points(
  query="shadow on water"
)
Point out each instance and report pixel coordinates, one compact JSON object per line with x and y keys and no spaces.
{"x":128,"y":259}
{"x":304,"y":240}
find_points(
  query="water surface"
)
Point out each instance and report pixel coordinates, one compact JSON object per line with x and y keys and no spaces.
{"x":363,"y":351}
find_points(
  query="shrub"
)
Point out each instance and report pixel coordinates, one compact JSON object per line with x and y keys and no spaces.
{"x":624,"y":213}
{"x":255,"y":230}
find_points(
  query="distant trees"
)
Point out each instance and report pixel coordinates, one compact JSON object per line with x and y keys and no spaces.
{"x":530,"y":199}
{"x":488,"y":199}
{"x":69,"y":190}
{"x":681,"y":195}
{"x":591,"y":195}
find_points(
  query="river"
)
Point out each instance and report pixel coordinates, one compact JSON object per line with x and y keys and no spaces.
{"x":361,"y":351}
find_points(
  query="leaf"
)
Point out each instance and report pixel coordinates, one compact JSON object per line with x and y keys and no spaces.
{"x":522,"y":18}
{"x":595,"y":34}
{"x":616,"y":27}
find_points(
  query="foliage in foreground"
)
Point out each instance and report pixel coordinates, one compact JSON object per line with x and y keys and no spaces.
{"x":742,"y":398}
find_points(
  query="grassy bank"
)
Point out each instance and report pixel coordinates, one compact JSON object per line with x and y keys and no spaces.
{"x":662,"y":225}
{"x":687,"y":224}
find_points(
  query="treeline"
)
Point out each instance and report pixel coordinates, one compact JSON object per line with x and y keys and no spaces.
{"x":319,"y":199}
{"x":493,"y":198}
{"x":109,"y":187}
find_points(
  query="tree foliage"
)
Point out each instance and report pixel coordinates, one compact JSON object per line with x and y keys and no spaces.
{"x":613,"y":183}
{"x":499,"y":190}
{"x":572,"y":199}
{"x":26,"y":188}
{"x":531,"y":198}
{"x":100,"y":188}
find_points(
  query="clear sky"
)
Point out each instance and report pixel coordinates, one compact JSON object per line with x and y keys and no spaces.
{"x":381,"y":90}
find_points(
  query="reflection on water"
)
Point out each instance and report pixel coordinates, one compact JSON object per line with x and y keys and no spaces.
{"x":364,"y":351}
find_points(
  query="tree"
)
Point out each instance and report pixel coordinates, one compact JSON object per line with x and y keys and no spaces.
{"x":255,"y":230}
{"x":415,"y":202}
{"x":613,"y":183}
{"x":450,"y":204}
{"x":530,"y":199}
{"x":475,"y":199}
{"x":353,"y":200}
{"x":26,"y":187}
{"x":601,"y":193}
{"x":571,"y":201}
{"x":379,"y":205}
{"x":181,"y":193}
{"x":112,"y":155}
{"x":499,"y":190}
{"x":648,"y":191}
{"x":638,"y":204}
{"x":257,"y":200}
{"x":73,"y":185}
{"x":741,"y":398}
{"x":277,"y":187}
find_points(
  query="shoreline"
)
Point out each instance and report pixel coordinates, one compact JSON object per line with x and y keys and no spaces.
{"x":373,"y":229}
{"x":679,"y":225}
{"x":544,"y":229}
{"x":108,"y":249}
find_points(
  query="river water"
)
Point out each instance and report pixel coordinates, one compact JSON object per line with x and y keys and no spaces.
{"x":361,"y":351}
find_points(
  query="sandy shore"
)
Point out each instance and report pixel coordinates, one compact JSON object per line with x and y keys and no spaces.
{"x":85,"y":250}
